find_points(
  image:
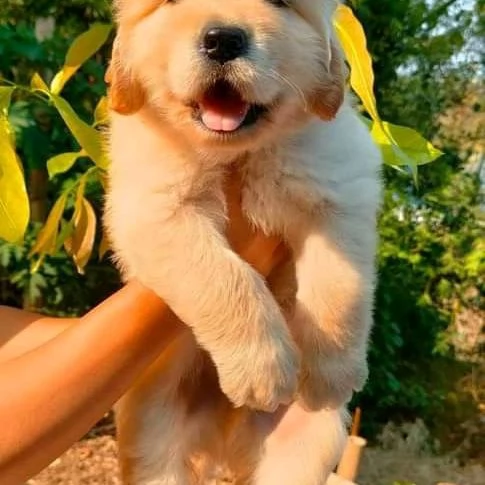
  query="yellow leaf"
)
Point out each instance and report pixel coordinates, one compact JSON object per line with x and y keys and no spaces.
{"x":14,"y":201}
{"x":80,"y":243}
{"x":46,"y":240}
{"x":63,"y":162}
{"x":401,"y":145}
{"x":65,"y":232}
{"x":61,"y":78}
{"x":88,"y":137}
{"x":79,"y":197}
{"x":353,"y":40}
{"x":38,"y":83}
{"x":5,"y":97}
{"x":83,"y":47}
{"x":87,"y":44}
{"x":101,"y":113}
{"x":36,"y":264}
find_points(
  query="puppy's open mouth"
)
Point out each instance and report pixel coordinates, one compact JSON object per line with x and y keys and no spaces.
{"x":222,"y":109}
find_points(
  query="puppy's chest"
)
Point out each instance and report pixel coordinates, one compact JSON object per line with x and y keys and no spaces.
{"x":277,"y":192}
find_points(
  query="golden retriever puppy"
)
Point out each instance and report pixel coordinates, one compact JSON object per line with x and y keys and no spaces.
{"x":198,"y":88}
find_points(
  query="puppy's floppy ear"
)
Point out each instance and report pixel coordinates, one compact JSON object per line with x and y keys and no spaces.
{"x":329,"y":92}
{"x":125,"y":94}
{"x":327,"y":98}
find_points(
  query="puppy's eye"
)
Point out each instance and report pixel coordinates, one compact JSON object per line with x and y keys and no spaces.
{"x":279,"y":3}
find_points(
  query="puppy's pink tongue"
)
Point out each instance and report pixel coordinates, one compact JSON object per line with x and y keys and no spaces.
{"x":223,"y":110}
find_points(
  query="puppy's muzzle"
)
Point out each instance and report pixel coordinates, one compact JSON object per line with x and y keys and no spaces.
{"x":223,"y":44}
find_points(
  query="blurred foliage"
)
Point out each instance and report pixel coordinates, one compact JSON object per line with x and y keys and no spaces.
{"x":34,"y":38}
{"x":428,"y":68}
{"x":432,"y":255}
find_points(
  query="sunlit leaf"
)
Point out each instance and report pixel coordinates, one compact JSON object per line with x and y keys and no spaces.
{"x":80,"y":195}
{"x":47,"y":238}
{"x":88,"y":137}
{"x":353,"y":40}
{"x":101,"y":113}
{"x":7,"y":128}
{"x":36,"y":264}
{"x":38,"y":83}
{"x":401,"y":145}
{"x":80,"y":243}
{"x":5,"y":97}
{"x":65,"y":232}
{"x":60,"y":79}
{"x":63,"y":162}
{"x":14,"y":201}
{"x":83,"y":47}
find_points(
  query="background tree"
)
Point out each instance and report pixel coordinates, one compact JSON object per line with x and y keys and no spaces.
{"x":431,"y":263}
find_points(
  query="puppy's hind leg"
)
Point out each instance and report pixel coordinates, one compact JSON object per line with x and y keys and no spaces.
{"x":302,"y":448}
{"x":157,"y":455}
{"x":153,"y":427}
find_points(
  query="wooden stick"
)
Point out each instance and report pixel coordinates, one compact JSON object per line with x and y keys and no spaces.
{"x":349,"y":464}
{"x":356,"y":422}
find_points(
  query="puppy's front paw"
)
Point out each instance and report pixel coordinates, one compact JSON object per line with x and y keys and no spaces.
{"x":330,"y":382}
{"x":262,"y":375}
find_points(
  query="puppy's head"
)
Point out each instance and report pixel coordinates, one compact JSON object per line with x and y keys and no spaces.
{"x":227,"y":71}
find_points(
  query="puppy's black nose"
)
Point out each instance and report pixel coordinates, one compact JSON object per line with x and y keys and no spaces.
{"x":224,"y":44}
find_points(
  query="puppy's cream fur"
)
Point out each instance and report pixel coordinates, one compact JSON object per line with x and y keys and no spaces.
{"x":310,"y":174}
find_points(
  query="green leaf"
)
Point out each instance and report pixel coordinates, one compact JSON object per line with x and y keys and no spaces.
{"x":63,"y":162}
{"x":401,"y":145}
{"x":83,"y":47}
{"x":101,"y":113}
{"x":46,"y":240}
{"x":14,"y":201}
{"x":88,"y":137}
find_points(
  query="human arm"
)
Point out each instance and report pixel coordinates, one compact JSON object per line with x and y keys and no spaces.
{"x":56,"y":385}
{"x":55,"y":392}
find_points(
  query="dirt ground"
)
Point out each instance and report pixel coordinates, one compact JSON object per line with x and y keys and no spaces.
{"x":89,"y":462}
{"x":93,"y":462}
{"x":397,"y":461}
